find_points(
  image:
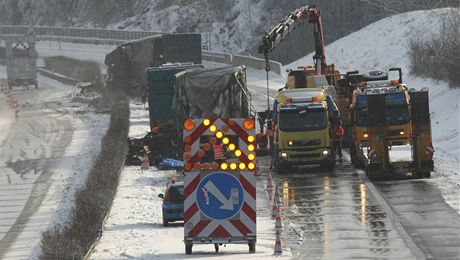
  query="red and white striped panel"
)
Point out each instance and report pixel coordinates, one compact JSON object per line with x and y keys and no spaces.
{"x":233,"y":129}
{"x":429,"y":150}
{"x":197,"y":224}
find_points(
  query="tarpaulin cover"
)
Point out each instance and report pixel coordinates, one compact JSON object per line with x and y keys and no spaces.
{"x":219,"y":92}
{"x":171,"y":164}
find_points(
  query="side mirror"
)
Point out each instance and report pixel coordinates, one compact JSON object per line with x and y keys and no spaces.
{"x":161,"y":196}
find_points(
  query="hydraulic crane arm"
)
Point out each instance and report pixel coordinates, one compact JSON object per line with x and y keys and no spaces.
{"x":276,"y":35}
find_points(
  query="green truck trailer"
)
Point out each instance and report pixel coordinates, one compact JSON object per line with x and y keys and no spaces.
{"x":178,"y":91}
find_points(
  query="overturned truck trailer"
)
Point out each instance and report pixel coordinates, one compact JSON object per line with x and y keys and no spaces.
{"x":176,"y":92}
{"x":212,"y":93}
{"x":127,"y":63}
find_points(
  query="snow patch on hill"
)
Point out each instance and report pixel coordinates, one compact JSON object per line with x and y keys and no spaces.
{"x":383,"y":45}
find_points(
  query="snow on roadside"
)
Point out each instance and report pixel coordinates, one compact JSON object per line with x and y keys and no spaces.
{"x":81,"y":51}
{"x":383,"y":45}
{"x":7,"y":116}
{"x":134,"y":228}
{"x":50,"y":110}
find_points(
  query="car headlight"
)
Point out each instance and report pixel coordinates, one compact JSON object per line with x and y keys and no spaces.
{"x":290,"y":143}
{"x":365,"y":135}
{"x":284,"y":155}
{"x":325,"y":152}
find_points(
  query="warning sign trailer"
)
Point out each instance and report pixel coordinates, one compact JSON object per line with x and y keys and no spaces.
{"x":219,"y":183}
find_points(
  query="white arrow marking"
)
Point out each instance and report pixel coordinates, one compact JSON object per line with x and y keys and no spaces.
{"x":226,"y":203}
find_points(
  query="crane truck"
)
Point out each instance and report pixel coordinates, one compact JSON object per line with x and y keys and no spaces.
{"x":303,"y":128}
{"x":390,"y":126}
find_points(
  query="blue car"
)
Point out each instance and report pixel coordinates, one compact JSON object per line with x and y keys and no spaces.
{"x":173,"y":202}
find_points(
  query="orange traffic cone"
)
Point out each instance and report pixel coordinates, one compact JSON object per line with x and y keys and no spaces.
{"x":278,"y":224}
{"x":256,"y":171}
{"x":145,"y":161}
{"x":275,"y":209}
{"x":269,"y":181}
{"x":277,"y":195}
{"x":278,"y":250}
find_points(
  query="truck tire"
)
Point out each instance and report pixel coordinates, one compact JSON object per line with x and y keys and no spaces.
{"x":375,"y":75}
{"x":165,"y":223}
{"x":188,"y":249}
{"x":216,"y":248}
{"x":252,"y":247}
{"x":423,"y":174}
{"x":327,"y":166}
{"x":357,"y":162}
{"x":282,"y":168}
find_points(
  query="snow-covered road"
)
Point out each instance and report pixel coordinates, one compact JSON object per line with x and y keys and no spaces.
{"x":44,"y":157}
{"x":134,"y":228}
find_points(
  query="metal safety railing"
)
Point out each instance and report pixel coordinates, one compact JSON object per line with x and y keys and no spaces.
{"x":108,"y":36}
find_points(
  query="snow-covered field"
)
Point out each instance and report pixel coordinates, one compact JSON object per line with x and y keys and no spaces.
{"x":383,"y":45}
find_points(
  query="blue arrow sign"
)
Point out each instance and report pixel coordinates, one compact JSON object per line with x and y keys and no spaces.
{"x":220,"y":195}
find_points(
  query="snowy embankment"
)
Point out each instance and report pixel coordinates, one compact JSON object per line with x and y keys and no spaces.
{"x":383,"y":45}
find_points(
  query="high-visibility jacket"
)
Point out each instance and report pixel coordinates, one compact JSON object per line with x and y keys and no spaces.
{"x":338,"y":132}
{"x":218,"y":150}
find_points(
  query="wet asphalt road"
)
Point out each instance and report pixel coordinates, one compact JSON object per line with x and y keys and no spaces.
{"x":343,"y":215}
{"x":432,"y":224}
{"x":338,"y":216}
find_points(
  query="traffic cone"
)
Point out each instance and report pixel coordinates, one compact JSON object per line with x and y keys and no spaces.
{"x":277,"y":195}
{"x":278,"y":224}
{"x":275,"y":209}
{"x":256,"y":171}
{"x":278,"y":250}
{"x":145,"y":161}
{"x":269,"y":181}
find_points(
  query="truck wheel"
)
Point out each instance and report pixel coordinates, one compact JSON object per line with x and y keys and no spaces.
{"x":375,"y":75}
{"x":427,"y":174}
{"x":327,"y":166}
{"x":165,"y":223}
{"x":216,"y":248}
{"x":282,"y":168}
{"x":423,"y":174}
{"x":252,"y":247}
{"x":188,"y":249}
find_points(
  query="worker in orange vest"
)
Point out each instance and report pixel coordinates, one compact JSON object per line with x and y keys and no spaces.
{"x":219,"y":152}
{"x":338,"y":133}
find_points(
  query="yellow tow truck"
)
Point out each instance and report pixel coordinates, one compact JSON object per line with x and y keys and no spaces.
{"x":390,"y":127}
{"x":303,"y":129}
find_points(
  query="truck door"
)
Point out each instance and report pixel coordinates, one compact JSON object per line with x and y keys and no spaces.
{"x":377,"y":153}
{"x":421,"y":130}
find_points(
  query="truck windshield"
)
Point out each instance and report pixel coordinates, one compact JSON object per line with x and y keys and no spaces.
{"x":361,"y":116}
{"x":397,"y":114}
{"x":302,"y":120}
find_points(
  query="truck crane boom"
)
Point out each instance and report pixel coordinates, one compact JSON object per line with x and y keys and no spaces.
{"x":276,"y":35}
